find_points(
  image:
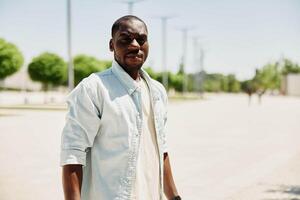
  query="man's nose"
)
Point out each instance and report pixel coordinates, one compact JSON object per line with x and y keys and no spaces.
{"x":134,"y":45}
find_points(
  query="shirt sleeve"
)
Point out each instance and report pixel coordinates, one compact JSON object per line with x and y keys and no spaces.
{"x":165,"y":146}
{"x":81,"y":127}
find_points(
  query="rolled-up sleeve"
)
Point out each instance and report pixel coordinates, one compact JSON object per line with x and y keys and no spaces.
{"x":81,"y":127}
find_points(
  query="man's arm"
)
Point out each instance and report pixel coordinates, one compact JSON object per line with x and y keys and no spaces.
{"x":72,"y":179}
{"x":169,"y":185}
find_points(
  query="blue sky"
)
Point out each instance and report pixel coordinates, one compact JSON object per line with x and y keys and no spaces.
{"x":237,"y":35}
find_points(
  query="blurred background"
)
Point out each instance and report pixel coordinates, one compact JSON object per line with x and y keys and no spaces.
{"x":231,"y":69}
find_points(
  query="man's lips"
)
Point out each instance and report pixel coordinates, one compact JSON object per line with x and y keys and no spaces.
{"x":134,"y":55}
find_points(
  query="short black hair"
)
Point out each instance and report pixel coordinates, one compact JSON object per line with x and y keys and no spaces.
{"x":115,"y":27}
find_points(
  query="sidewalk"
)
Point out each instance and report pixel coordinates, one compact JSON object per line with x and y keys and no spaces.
{"x":282,"y":184}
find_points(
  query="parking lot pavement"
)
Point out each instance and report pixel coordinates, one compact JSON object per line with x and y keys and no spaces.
{"x":220,"y":149}
{"x":281,"y":184}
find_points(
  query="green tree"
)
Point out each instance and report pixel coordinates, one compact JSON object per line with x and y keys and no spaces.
{"x":267,"y":78}
{"x":181,"y":68}
{"x":191,"y":82}
{"x":151,"y":72}
{"x":213,"y":82}
{"x":225,"y":84}
{"x":85,"y":65}
{"x":233,"y":84}
{"x":176,"y":81}
{"x":249,"y":87}
{"x":49,"y":69}
{"x":290,"y":67}
{"x":11,"y":59}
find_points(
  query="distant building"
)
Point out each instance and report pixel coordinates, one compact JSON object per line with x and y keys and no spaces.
{"x":20,"y":81}
{"x":290,"y":85}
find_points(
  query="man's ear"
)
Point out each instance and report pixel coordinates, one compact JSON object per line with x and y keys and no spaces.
{"x":111,"y":45}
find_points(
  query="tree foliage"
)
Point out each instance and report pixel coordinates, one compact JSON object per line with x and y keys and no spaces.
{"x":213,"y":82}
{"x":268,"y":77}
{"x":49,"y":69}
{"x":217,"y":82}
{"x":11,"y":59}
{"x":290,"y":67}
{"x":249,"y":86}
{"x":85,"y":65}
{"x":151,"y":72}
{"x":176,"y":81}
{"x":234,"y":85}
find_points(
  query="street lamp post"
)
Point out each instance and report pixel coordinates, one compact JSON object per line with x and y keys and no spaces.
{"x":130,"y":7}
{"x":199,"y":63}
{"x":164,"y":51}
{"x":130,"y":4}
{"x":164,"y":20}
{"x":184,"y":59}
{"x":69,"y":46}
{"x":196,"y":62}
{"x":201,"y":71}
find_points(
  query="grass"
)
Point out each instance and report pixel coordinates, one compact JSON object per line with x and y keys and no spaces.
{"x":179,"y":97}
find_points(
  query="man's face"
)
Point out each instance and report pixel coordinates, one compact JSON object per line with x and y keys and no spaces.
{"x":130,"y":45}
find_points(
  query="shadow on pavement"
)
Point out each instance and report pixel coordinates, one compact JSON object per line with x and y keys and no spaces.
{"x":290,"y":192}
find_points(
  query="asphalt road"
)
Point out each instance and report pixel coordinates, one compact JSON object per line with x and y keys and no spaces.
{"x":220,"y":149}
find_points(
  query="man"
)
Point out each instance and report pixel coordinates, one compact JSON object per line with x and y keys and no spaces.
{"x":113,"y":143}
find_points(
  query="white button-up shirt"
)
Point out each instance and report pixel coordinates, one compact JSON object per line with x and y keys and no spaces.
{"x":103,"y":129}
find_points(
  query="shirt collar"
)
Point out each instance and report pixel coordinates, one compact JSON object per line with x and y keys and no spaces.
{"x":130,"y":84}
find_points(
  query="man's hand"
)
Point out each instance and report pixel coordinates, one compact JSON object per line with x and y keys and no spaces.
{"x":72,"y":179}
{"x":169,"y":185}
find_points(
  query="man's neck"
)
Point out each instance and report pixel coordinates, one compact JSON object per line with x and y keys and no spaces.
{"x":134,"y":75}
